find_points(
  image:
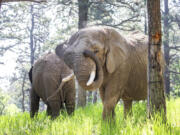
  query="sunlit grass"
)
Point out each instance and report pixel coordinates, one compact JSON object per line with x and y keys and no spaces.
{"x":88,"y":121}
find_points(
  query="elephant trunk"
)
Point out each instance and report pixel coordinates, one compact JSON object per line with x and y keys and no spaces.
{"x":95,"y":78}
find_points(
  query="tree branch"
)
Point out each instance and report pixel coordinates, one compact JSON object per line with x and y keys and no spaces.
{"x":175,"y":47}
{"x":2,"y":109}
{"x":36,"y":1}
{"x":123,"y":4}
{"x":174,"y":72}
{"x":131,"y":19}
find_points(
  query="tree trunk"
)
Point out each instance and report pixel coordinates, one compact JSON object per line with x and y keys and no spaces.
{"x":31,"y":38}
{"x":90,"y":96}
{"x":2,"y":108}
{"x":83,"y":13}
{"x":145,"y":19}
{"x":166,"y":46}
{"x":0,"y":5}
{"x":95,"y":97}
{"x":156,"y":97}
{"x":32,"y":47}
{"x":83,"y":18}
{"x":23,"y":94}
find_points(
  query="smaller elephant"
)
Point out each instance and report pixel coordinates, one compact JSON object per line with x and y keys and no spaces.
{"x":54,"y":83}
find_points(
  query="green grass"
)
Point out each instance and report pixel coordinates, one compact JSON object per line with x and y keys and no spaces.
{"x":88,"y":121}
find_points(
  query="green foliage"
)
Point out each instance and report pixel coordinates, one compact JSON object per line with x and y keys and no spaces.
{"x":88,"y":121}
{"x":5,"y":106}
{"x":3,"y":101}
{"x":11,"y":109}
{"x":175,"y":77}
{"x":124,"y":15}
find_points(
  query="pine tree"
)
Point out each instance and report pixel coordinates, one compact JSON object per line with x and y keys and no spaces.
{"x":156,"y":97}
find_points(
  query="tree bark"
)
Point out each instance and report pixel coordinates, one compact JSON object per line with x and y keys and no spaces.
{"x":156,"y":97}
{"x":90,"y":96}
{"x":83,"y":6}
{"x":166,"y":46}
{"x":83,"y":18}
{"x":31,"y":38}
{"x":145,"y":19}
{"x":23,"y":94}
{"x":2,"y":108}
{"x":95,"y":97}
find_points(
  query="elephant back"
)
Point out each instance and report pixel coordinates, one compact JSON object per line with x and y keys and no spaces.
{"x":47,"y":74}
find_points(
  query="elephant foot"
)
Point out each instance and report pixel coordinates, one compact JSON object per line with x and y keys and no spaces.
{"x":54,"y":116}
{"x":48,"y":111}
{"x":108,"y":113}
{"x":55,"y":109}
{"x":62,"y":109}
{"x":70,"y":109}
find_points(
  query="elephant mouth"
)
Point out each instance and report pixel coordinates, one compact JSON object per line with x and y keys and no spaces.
{"x":92,"y":77}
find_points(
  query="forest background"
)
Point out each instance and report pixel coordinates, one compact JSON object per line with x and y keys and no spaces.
{"x":29,"y":30}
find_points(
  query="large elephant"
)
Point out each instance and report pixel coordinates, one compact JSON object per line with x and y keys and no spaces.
{"x":103,"y":58}
{"x":52,"y":80}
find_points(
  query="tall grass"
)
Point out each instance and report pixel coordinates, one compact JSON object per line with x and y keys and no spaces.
{"x":88,"y":121}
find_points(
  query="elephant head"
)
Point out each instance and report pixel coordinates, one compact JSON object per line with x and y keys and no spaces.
{"x":93,"y":53}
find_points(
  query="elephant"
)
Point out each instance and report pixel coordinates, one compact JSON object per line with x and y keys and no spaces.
{"x":52,"y":81}
{"x":103,"y":58}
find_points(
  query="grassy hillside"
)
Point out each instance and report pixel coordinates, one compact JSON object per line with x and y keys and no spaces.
{"x":88,"y":121}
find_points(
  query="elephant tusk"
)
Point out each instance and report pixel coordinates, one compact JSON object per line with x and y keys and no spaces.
{"x":91,"y":78}
{"x":67,"y":78}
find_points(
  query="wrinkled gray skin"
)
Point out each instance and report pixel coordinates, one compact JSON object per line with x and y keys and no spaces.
{"x":120,"y":63}
{"x":46,"y":76}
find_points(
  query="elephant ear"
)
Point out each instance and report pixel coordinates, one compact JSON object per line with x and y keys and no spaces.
{"x":60,"y":49}
{"x":110,"y":62}
{"x":117,"y":51}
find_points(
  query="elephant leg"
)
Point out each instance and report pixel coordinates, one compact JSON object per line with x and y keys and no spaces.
{"x":108,"y":109}
{"x":49,"y":112}
{"x":109,"y":104}
{"x":111,"y":97}
{"x":55,"y":108}
{"x":127,"y":107}
{"x":34,"y":103}
{"x":102,"y":93}
{"x":70,"y":94}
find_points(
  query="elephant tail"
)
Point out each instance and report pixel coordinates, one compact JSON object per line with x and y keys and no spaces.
{"x":30,"y":74}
